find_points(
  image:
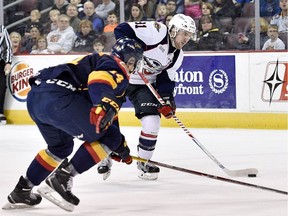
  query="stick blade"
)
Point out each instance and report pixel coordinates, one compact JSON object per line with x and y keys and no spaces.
{"x":241,"y":173}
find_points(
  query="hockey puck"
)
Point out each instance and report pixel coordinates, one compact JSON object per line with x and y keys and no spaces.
{"x":251,"y":175}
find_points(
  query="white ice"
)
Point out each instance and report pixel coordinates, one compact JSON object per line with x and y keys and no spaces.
{"x":174,"y":193}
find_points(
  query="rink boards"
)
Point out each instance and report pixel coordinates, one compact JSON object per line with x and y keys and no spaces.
{"x":219,"y":89}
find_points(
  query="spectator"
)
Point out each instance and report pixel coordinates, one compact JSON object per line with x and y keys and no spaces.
{"x":15,"y":39}
{"x":112,"y":22}
{"x":193,"y":8}
{"x":168,"y":18}
{"x":103,"y":8}
{"x":161,"y":13}
{"x":41,"y":46}
{"x":136,"y":13}
{"x":60,"y":5}
{"x":80,"y":7}
{"x":97,"y":22}
{"x":247,"y":41}
{"x":62,"y":39}
{"x":210,"y":37}
{"x":85,"y":37}
{"x":208,"y":9}
{"x":274,"y":42}
{"x":72,"y":13}
{"x":148,"y":8}
{"x":281,"y":19}
{"x":224,"y":8}
{"x":268,"y":8}
{"x":35,"y":17}
{"x":99,"y":45}
{"x":29,"y":41}
{"x":53,"y":23}
{"x":173,"y":6}
{"x":6,"y":56}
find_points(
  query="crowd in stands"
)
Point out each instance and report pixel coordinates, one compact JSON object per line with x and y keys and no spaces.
{"x":77,"y":26}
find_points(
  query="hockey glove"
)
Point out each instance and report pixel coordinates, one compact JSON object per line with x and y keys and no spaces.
{"x":167,"y":110}
{"x":102,"y":116}
{"x":122,"y":154}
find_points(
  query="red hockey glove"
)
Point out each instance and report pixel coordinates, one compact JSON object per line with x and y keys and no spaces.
{"x":122,"y":153}
{"x":102,"y":116}
{"x":117,"y":158}
{"x":167,"y":110}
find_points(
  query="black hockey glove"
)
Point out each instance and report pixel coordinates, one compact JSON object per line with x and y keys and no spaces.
{"x":167,"y":110}
{"x":122,"y":154}
{"x":102,"y":116}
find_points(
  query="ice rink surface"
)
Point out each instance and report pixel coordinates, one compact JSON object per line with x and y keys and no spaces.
{"x":174,"y":193}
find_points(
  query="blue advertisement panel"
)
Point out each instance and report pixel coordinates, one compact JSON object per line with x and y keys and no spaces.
{"x":206,"y":82}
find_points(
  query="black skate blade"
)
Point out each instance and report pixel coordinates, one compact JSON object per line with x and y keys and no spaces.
{"x":51,"y":195}
{"x":12,"y":206}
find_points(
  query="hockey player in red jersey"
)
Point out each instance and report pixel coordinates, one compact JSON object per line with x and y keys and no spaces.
{"x":163,"y":55}
{"x":77,"y":99}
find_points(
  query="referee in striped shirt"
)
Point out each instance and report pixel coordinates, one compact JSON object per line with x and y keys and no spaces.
{"x":5,"y":67}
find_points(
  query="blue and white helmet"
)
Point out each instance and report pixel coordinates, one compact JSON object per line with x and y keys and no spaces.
{"x":182,"y":22}
{"x":125,"y":49}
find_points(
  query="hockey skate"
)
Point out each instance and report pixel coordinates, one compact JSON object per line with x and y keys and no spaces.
{"x":22,"y":196}
{"x":60,"y":182}
{"x":147,"y":171}
{"x":104,"y":167}
{"x":3,"y":119}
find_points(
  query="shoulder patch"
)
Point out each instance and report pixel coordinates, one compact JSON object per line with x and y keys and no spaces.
{"x":157,"y":26}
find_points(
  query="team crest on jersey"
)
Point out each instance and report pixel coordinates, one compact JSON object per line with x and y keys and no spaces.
{"x":152,"y":66}
{"x":157,"y":26}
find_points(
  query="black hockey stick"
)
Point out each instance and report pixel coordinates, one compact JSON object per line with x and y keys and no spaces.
{"x":250,"y":172}
{"x":208,"y":175}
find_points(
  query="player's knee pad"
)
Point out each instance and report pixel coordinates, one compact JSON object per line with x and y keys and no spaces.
{"x":151,"y":124}
{"x":149,"y":132}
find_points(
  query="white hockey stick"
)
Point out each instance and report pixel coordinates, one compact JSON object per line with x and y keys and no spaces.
{"x":250,"y":172}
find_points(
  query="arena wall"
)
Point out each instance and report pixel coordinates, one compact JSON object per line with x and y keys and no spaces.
{"x":213,"y":90}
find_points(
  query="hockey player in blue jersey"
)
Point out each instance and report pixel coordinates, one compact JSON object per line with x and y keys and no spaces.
{"x":77,"y":99}
{"x":163,"y":55}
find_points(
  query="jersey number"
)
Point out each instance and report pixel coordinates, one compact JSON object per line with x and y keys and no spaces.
{"x":140,"y":24}
{"x":119,"y":77}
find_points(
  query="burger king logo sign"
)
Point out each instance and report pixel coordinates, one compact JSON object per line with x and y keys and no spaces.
{"x":18,"y":80}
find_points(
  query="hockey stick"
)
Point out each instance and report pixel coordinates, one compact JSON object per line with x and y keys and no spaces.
{"x":250,"y":172}
{"x":208,"y":175}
